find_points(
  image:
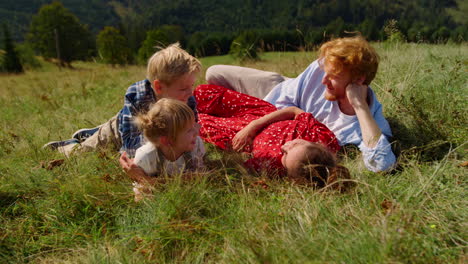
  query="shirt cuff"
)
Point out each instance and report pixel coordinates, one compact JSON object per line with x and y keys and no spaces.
{"x":380,"y":157}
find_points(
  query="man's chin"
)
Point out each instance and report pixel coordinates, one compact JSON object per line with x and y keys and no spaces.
{"x":330,"y":97}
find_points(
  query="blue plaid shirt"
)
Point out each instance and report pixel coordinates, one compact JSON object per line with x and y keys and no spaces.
{"x":138,"y":99}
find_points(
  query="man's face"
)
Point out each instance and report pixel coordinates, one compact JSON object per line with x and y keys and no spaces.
{"x":181,"y":89}
{"x":336,"y":83}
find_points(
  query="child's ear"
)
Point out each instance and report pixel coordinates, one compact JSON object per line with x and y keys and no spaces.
{"x":157,"y":87}
{"x":360,"y":80}
{"x":166,"y":141}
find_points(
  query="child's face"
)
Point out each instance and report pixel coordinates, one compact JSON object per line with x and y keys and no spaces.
{"x":187,"y":138}
{"x":181,"y":89}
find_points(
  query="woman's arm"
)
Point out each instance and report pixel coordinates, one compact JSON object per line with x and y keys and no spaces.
{"x":245,"y":137}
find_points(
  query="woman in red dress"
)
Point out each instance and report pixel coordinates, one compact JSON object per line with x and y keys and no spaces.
{"x":288,"y":141}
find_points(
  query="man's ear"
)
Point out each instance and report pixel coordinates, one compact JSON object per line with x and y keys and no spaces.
{"x":157,"y":87}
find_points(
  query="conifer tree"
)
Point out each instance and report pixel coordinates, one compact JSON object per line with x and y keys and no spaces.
{"x":11,"y":60}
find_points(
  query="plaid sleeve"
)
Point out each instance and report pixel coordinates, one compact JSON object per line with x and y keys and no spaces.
{"x":131,"y":136}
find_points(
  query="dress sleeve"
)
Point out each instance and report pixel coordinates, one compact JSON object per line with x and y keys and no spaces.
{"x":222,"y":102}
{"x":379,"y":158}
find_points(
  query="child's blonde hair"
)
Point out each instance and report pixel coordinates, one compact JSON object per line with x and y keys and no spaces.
{"x":352,"y":53}
{"x":171,"y":63}
{"x":167,"y":117}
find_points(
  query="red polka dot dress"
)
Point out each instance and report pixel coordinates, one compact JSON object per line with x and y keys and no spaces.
{"x":224,"y":112}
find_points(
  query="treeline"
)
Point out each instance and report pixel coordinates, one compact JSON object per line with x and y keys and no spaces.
{"x":126,"y":31}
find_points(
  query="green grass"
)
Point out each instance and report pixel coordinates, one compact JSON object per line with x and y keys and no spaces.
{"x":83,"y":211}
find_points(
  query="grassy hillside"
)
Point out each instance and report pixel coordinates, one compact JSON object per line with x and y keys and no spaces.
{"x":82,"y":211}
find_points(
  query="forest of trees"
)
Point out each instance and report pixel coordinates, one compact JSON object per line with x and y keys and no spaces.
{"x":212,"y":27}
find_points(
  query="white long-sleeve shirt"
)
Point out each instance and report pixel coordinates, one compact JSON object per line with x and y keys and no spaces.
{"x":307,"y":92}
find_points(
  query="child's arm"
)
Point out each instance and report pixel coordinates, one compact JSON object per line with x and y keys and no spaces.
{"x":246,"y":136}
{"x":134,"y":171}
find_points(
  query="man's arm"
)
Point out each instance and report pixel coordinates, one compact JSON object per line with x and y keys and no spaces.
{"x":377,"y":153}
{"x":244,"y":138}
{"x":357,"y":95}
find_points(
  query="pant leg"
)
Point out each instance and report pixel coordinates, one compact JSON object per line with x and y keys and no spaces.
{"x":245,"y":80}
{"x":108,"y":136}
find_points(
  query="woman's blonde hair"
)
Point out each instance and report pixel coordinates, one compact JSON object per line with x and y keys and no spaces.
{"x":167,"y":117}
{"x":352,"y":53}
{"x":171,"y":63}
{"x":318,"y":166}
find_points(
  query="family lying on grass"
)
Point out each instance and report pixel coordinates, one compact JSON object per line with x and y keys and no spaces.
{"x":291,"y":126}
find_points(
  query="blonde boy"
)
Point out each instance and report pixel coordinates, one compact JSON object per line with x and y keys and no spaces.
{"x":171,"y":73}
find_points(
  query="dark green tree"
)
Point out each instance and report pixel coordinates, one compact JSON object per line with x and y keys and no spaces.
{"x":459,"y":13}
{"x":160,"y":37}
{"x":244,"y":46}
{"x":112,"y":46}
{"x":11,"y":60}
{"x":56,"y":33}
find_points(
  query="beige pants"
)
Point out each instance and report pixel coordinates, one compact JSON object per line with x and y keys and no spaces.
{"x":245,"y":80}
{"x":107,"y":137}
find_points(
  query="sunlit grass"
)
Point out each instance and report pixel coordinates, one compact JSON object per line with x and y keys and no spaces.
{"x":83,"y":210}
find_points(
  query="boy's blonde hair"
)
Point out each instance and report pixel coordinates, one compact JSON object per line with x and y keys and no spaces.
{"x":352,"y":53}
{"x":167,"y":117}
{"x":171,"y":63}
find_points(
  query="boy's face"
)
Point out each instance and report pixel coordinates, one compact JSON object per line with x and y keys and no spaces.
{"x":180,"y":89}
{"x":187,"y":138}
{"x":336,"y":83}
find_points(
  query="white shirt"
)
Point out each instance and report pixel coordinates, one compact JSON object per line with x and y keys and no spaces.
{"x":147,"y":158}
{"x":307,"y":93}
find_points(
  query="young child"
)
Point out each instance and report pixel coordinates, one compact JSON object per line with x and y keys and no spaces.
{"x":171,"y":73}
{"x":172,"y":146}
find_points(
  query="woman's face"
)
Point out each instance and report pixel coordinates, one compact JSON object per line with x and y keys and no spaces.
{"x":294,"y":152}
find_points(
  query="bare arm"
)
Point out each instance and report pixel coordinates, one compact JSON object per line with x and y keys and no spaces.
{"x":134,"y":172}
{"x":371,"y":132}
{"x":245,"y":137}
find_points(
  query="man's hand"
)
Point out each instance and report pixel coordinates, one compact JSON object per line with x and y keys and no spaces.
{"x":357,"y":94}
{"x":357,"y":97}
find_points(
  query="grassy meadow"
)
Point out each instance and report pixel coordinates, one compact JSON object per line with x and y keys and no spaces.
{"x":82,"y":210}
